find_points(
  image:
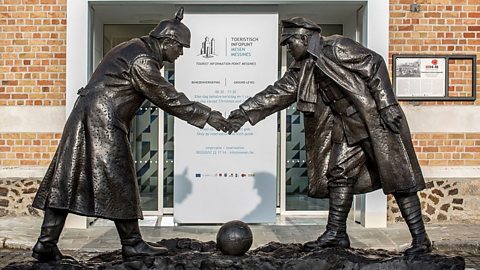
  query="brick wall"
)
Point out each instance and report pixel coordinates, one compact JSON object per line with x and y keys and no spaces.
{"x":443,"y":27}
{"x":28,"y":149}
{"x":32,"y":72}
{"x":460,"y":78}
{"x":447,"y":149}
{"x":32,"y":52}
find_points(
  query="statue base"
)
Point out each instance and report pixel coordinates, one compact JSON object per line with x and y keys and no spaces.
{"x":192,"y":254}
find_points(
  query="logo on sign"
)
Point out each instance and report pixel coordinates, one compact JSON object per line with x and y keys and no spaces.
{"x":433,"y":65}
{"x":207,"y":49}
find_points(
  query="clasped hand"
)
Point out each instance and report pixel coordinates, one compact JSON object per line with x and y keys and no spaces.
{"x":218,"y":122}
{"x":234,"y":122}
{"x":237,"y":119}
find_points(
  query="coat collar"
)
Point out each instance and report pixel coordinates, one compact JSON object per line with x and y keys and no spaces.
{"x":315,"y":46}
{"x":307,"y":89}
{"x":154,"y":46}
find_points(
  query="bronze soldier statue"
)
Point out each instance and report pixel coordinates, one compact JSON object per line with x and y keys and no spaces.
{"x":92,"y":172}
{"x":356,"y":135}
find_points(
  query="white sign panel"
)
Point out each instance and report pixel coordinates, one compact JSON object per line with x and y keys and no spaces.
{"x":420,"y":77}
{"x":221,"y":177}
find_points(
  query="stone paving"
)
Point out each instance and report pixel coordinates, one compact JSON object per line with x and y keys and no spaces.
{"x":20,"y":233}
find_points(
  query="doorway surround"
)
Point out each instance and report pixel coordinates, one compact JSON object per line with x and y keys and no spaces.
{"x":80,"y":61}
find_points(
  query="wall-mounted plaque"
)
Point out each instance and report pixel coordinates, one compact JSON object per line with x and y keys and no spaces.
{"x":429,"y":77}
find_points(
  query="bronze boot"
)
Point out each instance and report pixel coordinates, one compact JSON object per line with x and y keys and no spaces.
{"x":132,"y":242}
{"x":409,"y":205}
{"x":46,"y":247}
{"x":336,"y":232}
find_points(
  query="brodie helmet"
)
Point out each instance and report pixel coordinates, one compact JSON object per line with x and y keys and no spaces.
{"x":174,"y":29}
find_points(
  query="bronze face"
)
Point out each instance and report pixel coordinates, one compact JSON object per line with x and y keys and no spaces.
{"x":297,"y":47}
{"x":172,"y":50}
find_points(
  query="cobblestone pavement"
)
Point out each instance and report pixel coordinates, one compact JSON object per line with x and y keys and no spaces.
{"x":472,"y":260}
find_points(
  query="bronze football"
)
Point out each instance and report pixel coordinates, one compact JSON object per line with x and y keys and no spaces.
{"x":234,"y":238}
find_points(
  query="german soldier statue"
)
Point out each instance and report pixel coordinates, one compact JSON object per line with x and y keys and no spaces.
{"x":357,"y":137}
{"x":92,"y":172}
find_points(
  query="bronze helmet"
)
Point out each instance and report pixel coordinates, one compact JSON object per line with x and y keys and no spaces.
{"x":174,"y":29}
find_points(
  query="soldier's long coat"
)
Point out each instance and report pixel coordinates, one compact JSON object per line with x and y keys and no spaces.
{"x":92,"y":172}
{"x":362,"y":76}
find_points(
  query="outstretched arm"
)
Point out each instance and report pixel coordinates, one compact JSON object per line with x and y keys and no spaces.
{"x":274,"y":98}
{"x":147,"y":79}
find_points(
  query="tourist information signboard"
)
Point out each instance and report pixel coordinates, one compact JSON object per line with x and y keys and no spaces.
{"x":220,"y":177}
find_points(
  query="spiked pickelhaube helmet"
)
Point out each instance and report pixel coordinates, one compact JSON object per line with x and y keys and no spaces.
{"x":174,"y":29}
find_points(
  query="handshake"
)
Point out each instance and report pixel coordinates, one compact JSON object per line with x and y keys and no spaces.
{"x":233,"y":123}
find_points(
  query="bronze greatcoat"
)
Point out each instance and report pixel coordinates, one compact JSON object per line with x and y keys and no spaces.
{"x":362,"y":76}
{"x":92,"y":172}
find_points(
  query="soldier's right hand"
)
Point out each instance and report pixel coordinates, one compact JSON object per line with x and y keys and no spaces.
{"x":237,"y":119}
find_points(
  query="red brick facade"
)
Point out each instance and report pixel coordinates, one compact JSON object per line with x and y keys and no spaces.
{"x":442,"y":27}
{"x":447,"y":149}
{"x":460,"y":78}
{"x":32,"y":52}
{"x":27,"y":149}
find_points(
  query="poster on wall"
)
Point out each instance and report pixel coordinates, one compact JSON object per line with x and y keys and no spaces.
{"x":420,"y":77}
{"x":220,"y":177}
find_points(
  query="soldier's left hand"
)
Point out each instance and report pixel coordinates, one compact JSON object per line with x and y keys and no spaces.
{"x":218,"y":122}
{"x":391,"y":118}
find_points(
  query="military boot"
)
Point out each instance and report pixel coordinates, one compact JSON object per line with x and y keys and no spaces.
{"x":46,"y":247}
{"x":132,"y":242}
{"x":336,"y":233}
{"x":409,"y":205}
